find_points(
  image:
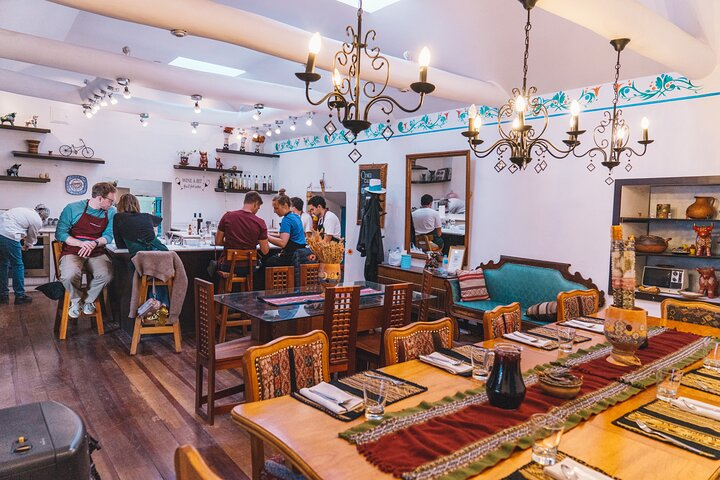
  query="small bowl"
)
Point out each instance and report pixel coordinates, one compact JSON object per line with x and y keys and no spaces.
{"x":560,"y":383}
{"x":689,"y":294}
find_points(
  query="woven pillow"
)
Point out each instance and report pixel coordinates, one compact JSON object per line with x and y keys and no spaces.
{"x":472,"y":285}
{"x":543,"y":312}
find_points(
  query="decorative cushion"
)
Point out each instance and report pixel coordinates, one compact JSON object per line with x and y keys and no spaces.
{"x":472,"y":285}
{"x":543,"y":312}
{"x":695,"y":315}
{"x":507,"y":323}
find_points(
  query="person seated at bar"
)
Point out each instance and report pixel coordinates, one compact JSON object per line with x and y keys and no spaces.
{"x":291,"y":236}
{"x":427,"y":221}
{"x":328,"y":222}
{"x":85,"y":227}
{"x":133,"y":229}
{"x":18,"y":232}
{"x":297,"y":209}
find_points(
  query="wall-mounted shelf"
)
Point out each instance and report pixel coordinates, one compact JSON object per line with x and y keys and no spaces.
{"x":261,"y":192}
{"x":8,"y":178}
{"x":646,"y":220}
{"x":25,"y":129}
{"x":665,"y":254}
{"x":659,"y":297}
{"x":61,"y":158}
{"x":250,"y":154}
{"x":199,"y":169}
{"x":430,"y":181}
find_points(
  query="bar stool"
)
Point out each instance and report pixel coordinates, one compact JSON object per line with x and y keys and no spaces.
{"x":228,"y":280}
{"x":142,"y":328}
{"x":280,"y":278}
{"x":309,"y":275}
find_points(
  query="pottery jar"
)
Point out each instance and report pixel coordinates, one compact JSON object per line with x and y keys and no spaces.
{"x":704,"y":207}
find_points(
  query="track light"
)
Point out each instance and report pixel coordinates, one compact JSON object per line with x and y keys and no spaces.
{"x":125,"y":82}
{"x":240,"y":133}
{"x":257,"y":107}
{"x":308,"y":122}
{"x":197,"y":98}
{"x":268,"y":131}
{"x":294,"y":121}
{"x":194,"y":126}
{"x":126,"y":93}
{"x":86,"y":110}
{"x":103,"y":100}
{"x":255,"y":134}
{"x":144,"y":119}
{"x":277,"y":126}
{"x":113,"y":100}
{"x":94,"y":108}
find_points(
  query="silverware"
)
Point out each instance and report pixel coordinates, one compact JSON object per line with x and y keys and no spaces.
{"x":341,"y":403}
{"x":670,"y":439}
{"x":695,"y":408}
{"x":568,"y":472}
{"x":527,"y":337}
{"x":442,"y":358}
{"x":702,"y":385}
{"x":387,"y":379}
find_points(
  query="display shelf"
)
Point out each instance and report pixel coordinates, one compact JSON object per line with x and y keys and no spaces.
{"x":61,"y":158}
{"x":662,"y":220}
{"x":25,"y":129}
{"x":431,"y":181}
{"x":659,"y":297}
{"x":261,"y":192}
{"x":200,"y":169}
{"x":666,"y":254}
{"x":245,"y":152}
{"x":8,"y":178}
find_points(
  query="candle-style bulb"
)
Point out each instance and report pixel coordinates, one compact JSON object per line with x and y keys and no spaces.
{"x":645,"y":123}
{"x":424,"y":59}
{"x":516,"y":124}
{"x":575,"y":108}
{"x":315,"y":41}
{"x":472,"y":111}
{"x":520,"y":104}
{"x":337,"y":78}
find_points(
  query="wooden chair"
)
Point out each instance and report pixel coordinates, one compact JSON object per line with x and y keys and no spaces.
{"x":280,"y":278}
{"x":213,"y":357}
{"x":419,"y":338}
{"x":699,"y":313}
{"x":189,"y":465}
{"x":425,"y":288}
{"x":61,"y":315}
{"x":265,"y":377}
{"x":425,"y":243}
{"x":228,"y":280}
{"x":142,"y":328}
{"x":309,"y":274}
{"x":577,"y":303}
{"x":396,"y":313}
{"x":501,"y":320}
{"x":342,"y":306}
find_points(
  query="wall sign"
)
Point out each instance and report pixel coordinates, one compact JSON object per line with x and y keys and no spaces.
{"x":186,"y":183}
{"x":76,"y":185}
{"x":365,"y":173}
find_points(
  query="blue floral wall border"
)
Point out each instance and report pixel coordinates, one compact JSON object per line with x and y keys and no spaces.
{"x":663,"y":87}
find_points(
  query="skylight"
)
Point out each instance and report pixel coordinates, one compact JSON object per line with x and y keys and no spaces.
{"x":200,"y":66}
{"x":370,"y":6}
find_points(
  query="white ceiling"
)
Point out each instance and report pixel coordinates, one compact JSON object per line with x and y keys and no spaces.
{"x":479,"y":39}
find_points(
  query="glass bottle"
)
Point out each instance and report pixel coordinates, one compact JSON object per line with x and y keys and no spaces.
{"x":264,"y":184}
{"x":256,"y":183}
{"x":270,"y":183}
{"x":505,"y":386}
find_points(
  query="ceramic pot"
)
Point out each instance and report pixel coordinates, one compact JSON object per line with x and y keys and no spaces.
{"x":651,"y":244}
{"x":625,"y":329}
{"x":703,"y":208}
{"x":329,"y":273}
{"x":33,"y":145}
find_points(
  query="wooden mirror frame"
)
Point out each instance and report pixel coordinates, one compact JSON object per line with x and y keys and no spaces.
{"x":412,"y":158}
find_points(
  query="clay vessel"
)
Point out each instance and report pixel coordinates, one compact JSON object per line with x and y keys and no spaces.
{"x":33,"y":145}
{"x":703,"y":208}
{"x":651,"y":244}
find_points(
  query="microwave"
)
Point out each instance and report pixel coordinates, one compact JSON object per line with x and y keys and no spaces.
{"x":669,"y":280}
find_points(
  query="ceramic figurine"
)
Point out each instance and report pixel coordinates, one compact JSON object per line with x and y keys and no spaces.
{"x":218,"y":162}
{"x":203,"y":160}
{"x":259,"y":143}
{"x":185,"y":157}
{"x":227,"y":131}
{"x":32,"y":122}
{"x":9,"y":118}
{"x":708,"y":282}
{"x":13,"y":171}
{"x":703,"y":240}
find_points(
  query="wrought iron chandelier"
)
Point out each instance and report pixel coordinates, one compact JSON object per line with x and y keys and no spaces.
{"x":611,"y":149}
{"x":346,"y":98}
{"x":522,"y":140}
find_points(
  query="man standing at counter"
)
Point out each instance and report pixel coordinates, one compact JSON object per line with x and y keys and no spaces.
{"x":328,"y":222}
{"x":85,"y":227}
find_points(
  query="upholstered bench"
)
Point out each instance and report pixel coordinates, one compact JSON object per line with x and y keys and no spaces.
{"x":515,"y":279}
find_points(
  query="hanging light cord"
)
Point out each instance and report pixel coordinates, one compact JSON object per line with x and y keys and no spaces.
{"x":528,"y":27}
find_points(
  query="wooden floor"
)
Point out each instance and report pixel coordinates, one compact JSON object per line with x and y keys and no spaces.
{"x":140,"y":408}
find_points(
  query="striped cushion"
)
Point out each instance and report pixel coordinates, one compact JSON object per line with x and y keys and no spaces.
{"x":472,"y":285}
{"x":543,"y":312}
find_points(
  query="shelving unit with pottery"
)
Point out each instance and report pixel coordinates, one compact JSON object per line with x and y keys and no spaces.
{"x":32,"y":145}
{"x":637,"y":204}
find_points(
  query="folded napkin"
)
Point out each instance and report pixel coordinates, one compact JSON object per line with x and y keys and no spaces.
{"x":329,"y":396}
{"x":697,"y":407}
{"x":581,"y":471}
{"x":525,"y":338}
{"x":449,"y":364}
{"x":593,"y":327}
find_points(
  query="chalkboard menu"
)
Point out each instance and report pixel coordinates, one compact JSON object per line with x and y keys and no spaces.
{"x":365,"y":173}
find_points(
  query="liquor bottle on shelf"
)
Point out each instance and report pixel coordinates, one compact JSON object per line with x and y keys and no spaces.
{"x":264,"y":184}
{"x":199,"y":222}
{"x":270,"y":184}
{"x":256,"y":183}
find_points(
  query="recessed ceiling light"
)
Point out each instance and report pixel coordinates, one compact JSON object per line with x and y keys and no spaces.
{"x":370,"y":6}
{"x":200,"y":66}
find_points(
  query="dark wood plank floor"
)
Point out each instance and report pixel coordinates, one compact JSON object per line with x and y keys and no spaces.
{"x":140,"y":408}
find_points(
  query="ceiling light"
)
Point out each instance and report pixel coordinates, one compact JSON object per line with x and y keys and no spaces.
{"x":370,"y":5}
{"x":125,"y":82}
{"x":294,"y":121}
{"x":103,"y":100}
{"x":94,"y":107}
{"x":179,"y":32}
{"x":113,"y":100}
{"x":201,"y":66}
{"x":197,"y":98}
{"x":268,"y":132}
{"x":240,"y":133}
{"x":258,"y":107}
{"x":255,"y":134}
{"x":86,"y":110}
{"x":277,"y":126}
{"x":194,"y":126}
{"x":144,"y":119}
{"x":308,"y":122}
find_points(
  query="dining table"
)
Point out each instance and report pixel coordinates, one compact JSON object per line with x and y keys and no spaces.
{"x":309,"y":439}
{"x":294,"y":311}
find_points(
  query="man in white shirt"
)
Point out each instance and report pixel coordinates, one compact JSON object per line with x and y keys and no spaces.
{"x":18,"y":232}
{"x":328,"y":222}
{"x":297,"y":208}
{"x":427,"y":220}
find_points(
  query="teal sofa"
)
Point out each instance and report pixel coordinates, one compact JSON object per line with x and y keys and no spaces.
{"x":515,"y":279}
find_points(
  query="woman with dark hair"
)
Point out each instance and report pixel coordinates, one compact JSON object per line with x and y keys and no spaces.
{"x":135,"y":230}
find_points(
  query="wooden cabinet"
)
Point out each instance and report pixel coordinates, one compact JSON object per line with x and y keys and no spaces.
{"x":388,"y":274}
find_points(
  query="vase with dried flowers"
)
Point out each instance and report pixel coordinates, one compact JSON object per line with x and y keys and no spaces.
{"x":329,"y":256}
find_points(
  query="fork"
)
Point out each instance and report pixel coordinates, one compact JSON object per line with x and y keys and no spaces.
{"x":442,"y":358}
{"x":647,"y":429}
{"x":341,"y":403}
{"x":568,"y":472}
{"x":702,"y":385}
{"x":526,"y":337}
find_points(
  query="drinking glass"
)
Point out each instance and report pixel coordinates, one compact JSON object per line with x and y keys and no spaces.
{"x":546,"y":432}
{"x":481,"y":360}
{"x":668,"y":383}
{"x":375,"y":396}
{"x":712,"y":361}
{"x":566,"y":338}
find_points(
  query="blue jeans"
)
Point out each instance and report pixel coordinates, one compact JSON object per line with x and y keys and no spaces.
{"x":11,"y":259}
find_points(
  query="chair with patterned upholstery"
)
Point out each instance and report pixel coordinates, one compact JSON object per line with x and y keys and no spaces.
{"x":237,"y":259}
{"x":419,"y":338}
{"x":425,"y":289}
{"x":309,"y":274}
{"x":342,"y":308}
{"x":699,"y":313}
{"x":577,"y":303}
{"x":190,"y":465}
{"x":396,"y":313}
{"x":279,"y":278}
{"x":501,"y":320}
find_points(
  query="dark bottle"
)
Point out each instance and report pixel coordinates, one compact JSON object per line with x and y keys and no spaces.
{"x":256,"y":183}
{"x":264,"y":184}
{"x":199,"y":222}
{"x":505,"y":386}
{"x":270,"y":184}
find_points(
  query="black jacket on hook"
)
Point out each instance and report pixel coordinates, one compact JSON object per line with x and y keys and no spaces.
{"x":370,"y":243}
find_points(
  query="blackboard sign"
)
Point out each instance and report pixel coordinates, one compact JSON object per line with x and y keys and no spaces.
{"x":365,"y":173}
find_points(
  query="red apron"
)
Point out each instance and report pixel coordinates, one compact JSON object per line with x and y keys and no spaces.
{"x":88,"y":228}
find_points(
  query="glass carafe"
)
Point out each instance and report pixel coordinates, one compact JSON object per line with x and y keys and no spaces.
{"x":505,"y":386}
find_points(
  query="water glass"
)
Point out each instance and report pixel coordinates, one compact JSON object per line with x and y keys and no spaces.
{"x":566,"y":338}
{"x":375,"y":396}
{"x":668,"y":383}
{"x":712,"y":361}
{"x":481,"y":360}
{"x":546,"y":432}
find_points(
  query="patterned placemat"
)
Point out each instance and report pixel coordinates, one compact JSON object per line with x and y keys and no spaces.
{"x":699,"y":432}
{"x":551,"y":334}
{"x":703,"y":379}
{"x":534,"y":471}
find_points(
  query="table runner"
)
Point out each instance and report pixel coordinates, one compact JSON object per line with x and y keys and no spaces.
{"x":283,"y":299}
{"x":445,"y":439}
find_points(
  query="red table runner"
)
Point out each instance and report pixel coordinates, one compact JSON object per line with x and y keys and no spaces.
{"x":282,"y":300}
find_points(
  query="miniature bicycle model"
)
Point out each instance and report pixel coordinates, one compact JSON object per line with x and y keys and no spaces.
{"x":82,"y":149}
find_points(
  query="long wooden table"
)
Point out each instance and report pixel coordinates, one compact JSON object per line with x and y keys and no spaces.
{"x":309,"y":438}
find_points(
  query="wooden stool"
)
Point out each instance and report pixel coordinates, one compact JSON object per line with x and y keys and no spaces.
{"x":236,"y":258}
{"x":279,"y":278}
{"x":140,"y":329}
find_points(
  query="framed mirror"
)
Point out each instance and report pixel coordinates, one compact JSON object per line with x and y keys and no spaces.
{"x":437,"y":202}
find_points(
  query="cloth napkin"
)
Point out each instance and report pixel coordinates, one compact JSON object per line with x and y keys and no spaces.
{"x":697,"y":407}
{"x":325,"y":392}
{"x":538,"y":342}
{"x":581,"y":471}
{"x":446,"y":363}
{"x":593,"y":327}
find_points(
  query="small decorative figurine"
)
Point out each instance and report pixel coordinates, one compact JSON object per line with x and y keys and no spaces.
{"x":703,"y":241}
{"x":203,"y":160}
{"x":13,"y":171}
{"x":9,"y":118}
{"x":32,"y":122}
{"x":708,"y":282}
{"x":185,"y":156}
{"x":259,"y":140}
{"x":227,"y":131}
{"x":218,"y":162}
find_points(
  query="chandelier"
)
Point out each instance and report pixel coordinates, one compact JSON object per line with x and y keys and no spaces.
{"x":521,"y":141}
{"x":346,"y":98}
{"x":611,"y":149}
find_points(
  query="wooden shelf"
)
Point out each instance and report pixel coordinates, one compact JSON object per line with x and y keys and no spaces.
{"x":250,"y":154}
{"x":8,"y":178}
{"x":646,"y":220}
{"x":220,"y":170}
{"x":431,"y":181}
{"x":261,"y":192}
{"x":25,"y":129}
{"x":61,"y":158}
{"x":659,"y":297}
{"x":666,"y":254}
